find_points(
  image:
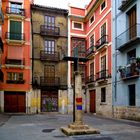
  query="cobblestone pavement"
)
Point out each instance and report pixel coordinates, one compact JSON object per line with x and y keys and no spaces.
{"x":46,"y":127}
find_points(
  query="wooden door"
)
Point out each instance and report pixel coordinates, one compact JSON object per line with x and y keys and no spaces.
{"x":92,"y":101}
{"x":21,"y":103}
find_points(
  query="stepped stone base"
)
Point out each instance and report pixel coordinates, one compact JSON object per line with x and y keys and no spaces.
{"x":80,"y":129}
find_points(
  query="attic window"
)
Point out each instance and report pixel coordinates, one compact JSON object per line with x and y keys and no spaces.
{"x":103,"y":5}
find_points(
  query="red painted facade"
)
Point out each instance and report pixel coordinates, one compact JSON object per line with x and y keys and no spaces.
{"x":83,"y":16}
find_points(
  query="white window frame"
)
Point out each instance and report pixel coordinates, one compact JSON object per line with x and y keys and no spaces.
{"x":93,"y":20}
{"x":77,"y":28}
{"x":101,"y":10}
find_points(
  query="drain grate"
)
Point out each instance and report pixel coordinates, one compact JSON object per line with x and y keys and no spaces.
{"x":47,"y":130}
{"x":102,"y":138}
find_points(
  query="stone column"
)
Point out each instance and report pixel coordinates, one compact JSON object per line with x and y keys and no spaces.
{"x":78,"y":98}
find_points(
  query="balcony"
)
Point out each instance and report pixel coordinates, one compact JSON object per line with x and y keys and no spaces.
{"x":102,"y":76}
{"x":49,"y":56}
{"x":15,"y":38}
{"x":50,"y":82}
{"x":129,"y":72}
{"x":17,"y":13}
{"x":1,"y":16}
{"x":128,"y":38}
{"x":90,"y":79}
{"x":103,"y":41}
{"x":15,"y":81}
{"x":49,"y":30}
{"x":125,"y":4}
{"x":90,"y":52}
{"x":12,"y":63}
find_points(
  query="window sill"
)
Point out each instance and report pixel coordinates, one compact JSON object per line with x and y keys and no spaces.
{"x":103,"y":103}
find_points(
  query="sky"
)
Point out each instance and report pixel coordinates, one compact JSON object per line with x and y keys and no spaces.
{"x":62,"y":3}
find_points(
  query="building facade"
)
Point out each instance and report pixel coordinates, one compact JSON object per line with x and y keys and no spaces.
{"x":126,"y":58}
{"x":15,"y":88}
{"x":90,"y":38}
{"x":49,"y":71}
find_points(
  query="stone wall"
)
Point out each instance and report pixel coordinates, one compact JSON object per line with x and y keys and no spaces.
{"x":125,"y":112}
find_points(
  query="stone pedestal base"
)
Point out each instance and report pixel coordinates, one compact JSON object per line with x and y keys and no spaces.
{"x":80,"y":129}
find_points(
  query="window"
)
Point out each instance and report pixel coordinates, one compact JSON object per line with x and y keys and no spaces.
{"x":50,"y":21}
{"x":91,"y":19}
{"x":132,"y":98}
{"x":16,"y":8}
{"x":92,"y":68}
{"x":49,"y":71}
{"x":103,"y":5}
{"x":132,"y":22}
{"x":77,"y":25}
{"x":14,"y":76}
{"x":49,"y":46}
{"x":78,"y":47}
{"x":103,"y":66}
{"x":92,"y":41}
{"x":15,"y":30}
{"x":103,"y":94}
{"x":131,"y":56}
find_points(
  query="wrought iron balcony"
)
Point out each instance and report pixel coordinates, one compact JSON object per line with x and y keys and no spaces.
{"x":14,"y":63}
{"x":102,"y":41}
{"x":102,"y":75}
{"x":15,"y":81}
{"x":49,"y":81}
{"x":49,"y":30}
{"x":50,"y":56}
{"x":90,"y":51}
{"x":15,"y":36}
{"x":15,"y":11}
{"x":129,"y":72}
{"x":90,"y":79}
{"x":129,"y":37}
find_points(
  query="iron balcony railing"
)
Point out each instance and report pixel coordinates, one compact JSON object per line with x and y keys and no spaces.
{"x":16,"y":11}
{"x":90,"y":79}
{"x":90,"y":51}
{"x":103,"y":40}
{"x":14,"y":62}
{"x":129,"y":35}
{"x":50,"y":81}
{"x":103,"y":74}
{"x":20,"y":81}
{"x":130,"y":71}
{"x":49,"y":30}
{"x":15,"y":36}
{"x":48,"y":55}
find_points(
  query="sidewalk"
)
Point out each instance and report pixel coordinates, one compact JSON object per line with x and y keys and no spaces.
{"x":3,"y":118}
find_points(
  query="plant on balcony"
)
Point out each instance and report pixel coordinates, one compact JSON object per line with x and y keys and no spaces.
{"x":138,"y":62}
{"x":122,"y":70}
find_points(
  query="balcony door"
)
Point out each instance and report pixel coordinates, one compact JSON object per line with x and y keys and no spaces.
{"x":103,"y":66}
{"x":132,"y":22}
{"x":49,"y":46}
{"x":15,"y":30}
{"x":49,"y":73}
{"x":103,"y":33}
{"x":50,"y":22}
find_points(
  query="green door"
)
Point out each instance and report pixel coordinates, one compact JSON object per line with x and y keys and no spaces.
{"x":15,"y":30}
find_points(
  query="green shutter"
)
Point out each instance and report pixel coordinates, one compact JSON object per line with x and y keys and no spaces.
{"x":15,"y":30}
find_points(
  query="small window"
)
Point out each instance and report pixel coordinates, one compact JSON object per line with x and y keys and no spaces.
{"x":91,"y":19}
{"x":77,"y":25}
{"x":103,"y":94}
{"x":103,"y":6}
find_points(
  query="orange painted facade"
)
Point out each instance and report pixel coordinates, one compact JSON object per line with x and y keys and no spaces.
{"x":25,"y":44}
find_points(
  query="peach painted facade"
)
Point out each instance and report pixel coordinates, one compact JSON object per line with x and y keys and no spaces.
{"x":93,"y":25}
{"x":16,"y":65}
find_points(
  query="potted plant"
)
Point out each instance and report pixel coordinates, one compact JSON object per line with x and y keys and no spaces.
{"x":122,"y":70}
{"x":138,"y":62}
